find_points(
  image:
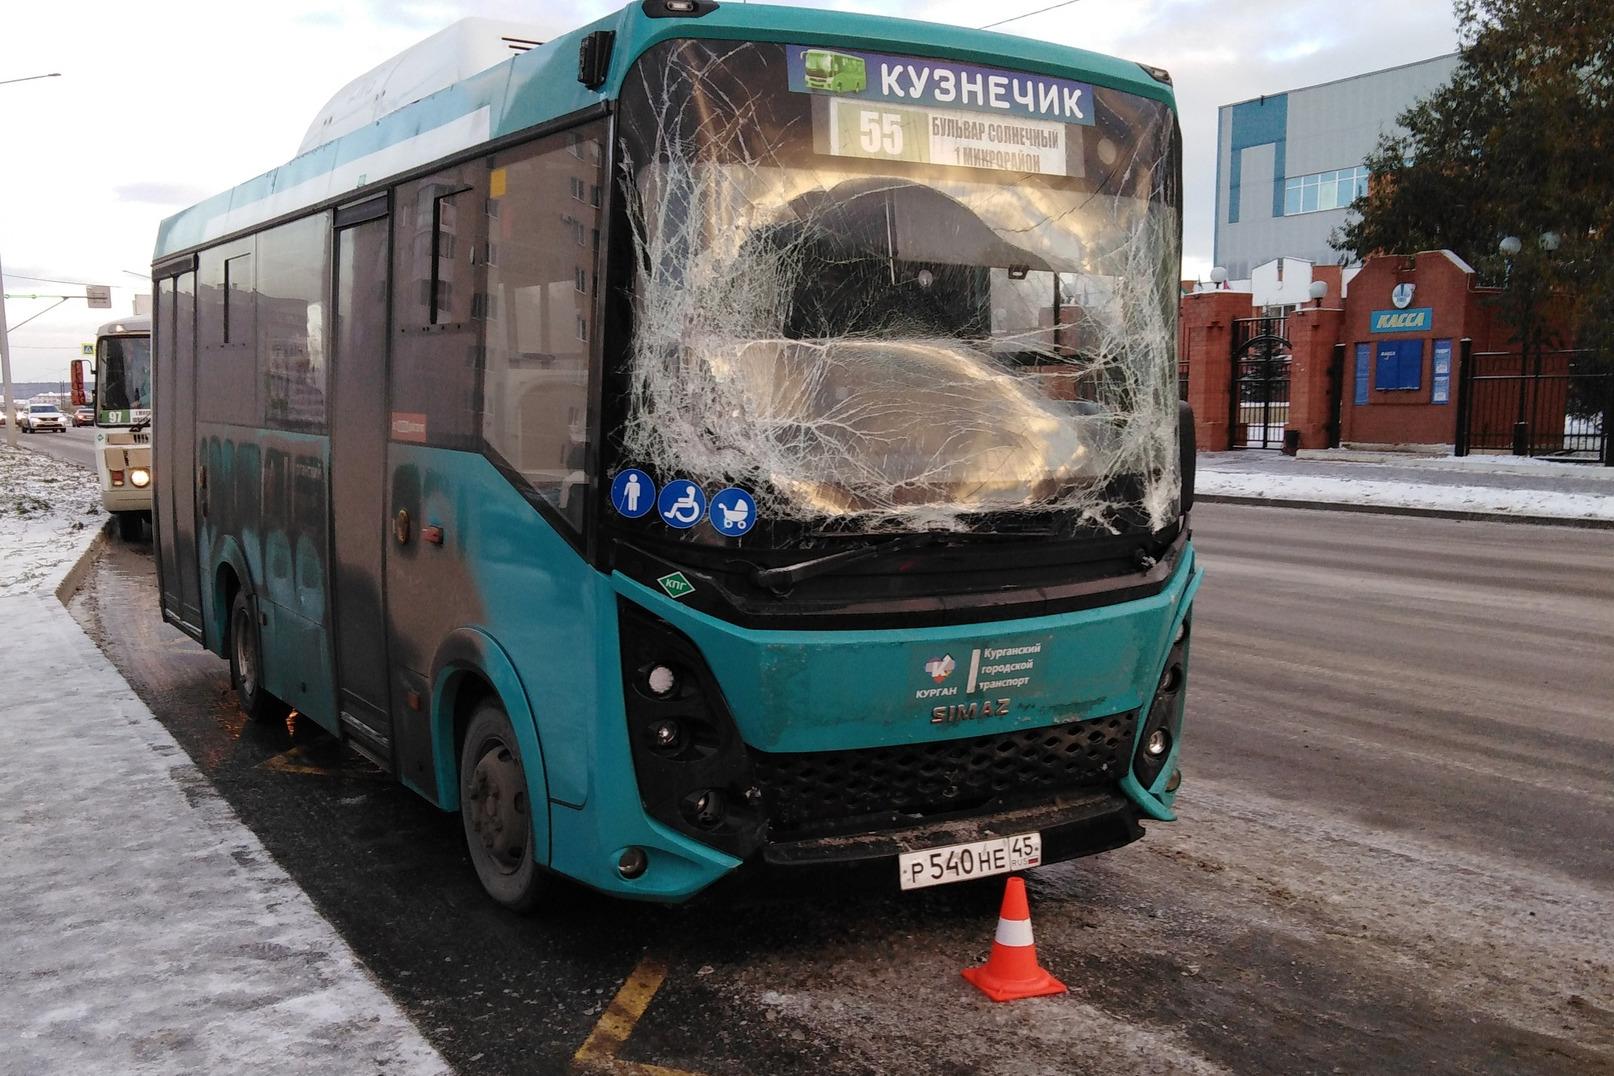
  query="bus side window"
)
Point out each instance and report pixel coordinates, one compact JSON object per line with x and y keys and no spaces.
{"x":539,"y":325}
{"x":227,"y":367}
{"x":439,"y":260}
{"x":292,"y":277}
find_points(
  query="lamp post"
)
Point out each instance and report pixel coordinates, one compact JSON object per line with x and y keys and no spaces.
{"x":5,"y":335}
{"x":1529,"y":335}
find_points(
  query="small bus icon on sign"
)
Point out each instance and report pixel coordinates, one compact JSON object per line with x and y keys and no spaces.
{"x":834,"y":71}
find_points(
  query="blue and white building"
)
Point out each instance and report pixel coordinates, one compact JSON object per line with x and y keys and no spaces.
{"x":1287,"y":164}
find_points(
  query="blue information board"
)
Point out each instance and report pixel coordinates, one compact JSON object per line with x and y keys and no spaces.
{"x":1440,"y":373}
{"x":1398,"y":365}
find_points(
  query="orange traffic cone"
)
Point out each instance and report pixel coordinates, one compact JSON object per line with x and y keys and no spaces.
{"x":1012,"y":971}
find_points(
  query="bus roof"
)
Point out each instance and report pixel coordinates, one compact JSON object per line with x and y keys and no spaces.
{"x":134,"y":323}
{"x":540,"y":85}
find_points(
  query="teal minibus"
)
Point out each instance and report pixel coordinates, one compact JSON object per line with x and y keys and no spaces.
{"x":680,"y":467}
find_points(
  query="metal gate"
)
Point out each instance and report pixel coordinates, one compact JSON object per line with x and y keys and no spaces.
{"x":1260,"y":382}
{"x":1550,"y":403}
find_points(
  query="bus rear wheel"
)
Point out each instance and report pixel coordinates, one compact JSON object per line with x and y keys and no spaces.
{"x":246,"y":665}
{"x":497,"y":813}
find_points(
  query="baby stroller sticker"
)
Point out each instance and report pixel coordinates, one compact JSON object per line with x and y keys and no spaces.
{"x":734,"y":513}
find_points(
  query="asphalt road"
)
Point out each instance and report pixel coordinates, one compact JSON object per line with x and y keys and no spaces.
{"x":75,"y":445}
{"x":1396,"y":851}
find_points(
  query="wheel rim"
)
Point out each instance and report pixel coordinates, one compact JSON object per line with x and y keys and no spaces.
{"x":246,"y":656}
{"x":498,"y":807}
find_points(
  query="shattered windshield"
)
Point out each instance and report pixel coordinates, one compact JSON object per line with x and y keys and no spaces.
{"x":123,"y":378}
{"x":879,"y":310}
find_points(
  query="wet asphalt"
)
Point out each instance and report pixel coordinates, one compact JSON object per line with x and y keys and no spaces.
{"x":1396,"y":851}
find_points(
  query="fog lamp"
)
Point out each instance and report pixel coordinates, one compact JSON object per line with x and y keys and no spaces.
{"x":139,"y":478}
{"x":665,"y":734}
{"x":1158,"y":743}
{"x":705,"y":808}
{"x":1174,"y":781}
{"x":1172,"y":680}
{"x":632,"y":862}
{"x":1182,"y":633}
{"x":661,"y":681}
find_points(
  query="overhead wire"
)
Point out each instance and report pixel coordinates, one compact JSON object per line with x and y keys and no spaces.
{"x":1027,"y":15}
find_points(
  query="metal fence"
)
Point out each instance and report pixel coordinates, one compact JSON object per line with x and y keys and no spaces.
{"x":1260,"y":382}
{"x":1547,"y":403}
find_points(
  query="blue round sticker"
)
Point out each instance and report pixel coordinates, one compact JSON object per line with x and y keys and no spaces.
{"x":633,"y":493}
{"x":733,"y":512}
{"x":681,"y":504}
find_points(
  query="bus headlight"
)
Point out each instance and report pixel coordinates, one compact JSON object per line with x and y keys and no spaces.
{"x":139,"y":477}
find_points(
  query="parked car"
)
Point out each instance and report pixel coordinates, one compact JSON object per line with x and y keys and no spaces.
{"x":84,"y":416}
{"x":40,"y":418}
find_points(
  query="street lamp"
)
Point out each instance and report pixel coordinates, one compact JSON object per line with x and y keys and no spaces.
{"x":1529,"y":334}
{"x":1318,"y":291}
{"x":5,"y":334}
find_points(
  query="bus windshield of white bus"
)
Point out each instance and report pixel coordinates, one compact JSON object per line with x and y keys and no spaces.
{"x":890,"y":293}
{"x":122,"y":380}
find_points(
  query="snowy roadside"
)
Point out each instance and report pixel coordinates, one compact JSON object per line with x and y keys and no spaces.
{"x":146,"y":929}
{"x":50,"y":512}
{"x":1490,"y":500}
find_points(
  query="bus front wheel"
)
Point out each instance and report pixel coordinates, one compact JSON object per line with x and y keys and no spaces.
{"x":129,"y":524}
{"x":496,"y":811}
{"x":246,"y":665}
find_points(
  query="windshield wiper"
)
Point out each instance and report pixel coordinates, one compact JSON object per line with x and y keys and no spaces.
{"x":782,"y":579}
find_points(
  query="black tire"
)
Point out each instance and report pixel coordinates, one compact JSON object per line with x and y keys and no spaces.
{"x":246,"y":664}
{"x":495,"y":812}
{"x":129,"y":526}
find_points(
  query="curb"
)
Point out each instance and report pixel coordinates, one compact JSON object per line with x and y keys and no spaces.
{"x":74,"y":577}
{"x":1581,"y":522}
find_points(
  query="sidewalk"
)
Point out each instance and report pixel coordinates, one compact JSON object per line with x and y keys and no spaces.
{"x":145,"y":928}
{"x":1473,"y":487}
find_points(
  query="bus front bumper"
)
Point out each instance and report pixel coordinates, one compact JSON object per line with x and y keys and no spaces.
{"x":1072,"y":827}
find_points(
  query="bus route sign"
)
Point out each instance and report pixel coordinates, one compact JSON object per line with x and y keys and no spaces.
{"x":911,"y":80}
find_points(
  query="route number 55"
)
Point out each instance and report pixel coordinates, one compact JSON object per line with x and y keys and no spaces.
{"x":880,"y":132}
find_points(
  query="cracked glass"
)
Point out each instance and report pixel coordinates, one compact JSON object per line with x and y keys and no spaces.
{"x":886,"y":316}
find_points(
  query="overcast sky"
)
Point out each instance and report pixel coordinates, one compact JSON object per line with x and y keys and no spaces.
{"x":162,"y":104}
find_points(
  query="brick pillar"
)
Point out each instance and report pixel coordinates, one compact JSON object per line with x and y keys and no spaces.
{"x":1312,"y":336}
{"x":1207,"y":333}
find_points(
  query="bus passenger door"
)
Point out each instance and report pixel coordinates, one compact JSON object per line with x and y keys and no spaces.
{"x":358,"y":477}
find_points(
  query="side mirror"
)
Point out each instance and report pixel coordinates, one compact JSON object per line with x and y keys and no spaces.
{"x":1187,"y":452}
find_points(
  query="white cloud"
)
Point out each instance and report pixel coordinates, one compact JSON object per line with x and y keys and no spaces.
{"x":161,"y":103}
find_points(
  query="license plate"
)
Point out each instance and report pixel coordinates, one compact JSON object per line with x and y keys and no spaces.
{"x":959,"y":862}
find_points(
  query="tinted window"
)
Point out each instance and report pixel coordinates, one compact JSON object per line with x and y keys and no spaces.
{"x":439,"y":235}
{"x":227,"y":367}
{"x":540,"y":311}
{"x":292,"y":271}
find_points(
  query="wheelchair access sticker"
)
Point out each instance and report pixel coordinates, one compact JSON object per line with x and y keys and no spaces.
{"x":681,"y":504}
{"x":733,"y":512}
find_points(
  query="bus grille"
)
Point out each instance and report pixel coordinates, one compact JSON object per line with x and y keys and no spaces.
{"x":880,"y":787}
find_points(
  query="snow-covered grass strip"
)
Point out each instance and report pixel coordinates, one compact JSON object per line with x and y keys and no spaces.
{"x":50,"y":512}
{"x":1358,"y":491}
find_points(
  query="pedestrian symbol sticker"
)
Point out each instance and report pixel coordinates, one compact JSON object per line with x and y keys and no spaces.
{"x":733,"y":512}
{"x":681,"y":504}
{"x":632,"y":493}
{"x":676,"y":585}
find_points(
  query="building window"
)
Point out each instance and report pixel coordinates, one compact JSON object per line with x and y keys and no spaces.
{"x":1323,"y":190}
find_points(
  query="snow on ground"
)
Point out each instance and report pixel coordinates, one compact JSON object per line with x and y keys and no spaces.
{"x":1400,"y":494}
{"x":50,"y":511}
{"x":144,"y":927}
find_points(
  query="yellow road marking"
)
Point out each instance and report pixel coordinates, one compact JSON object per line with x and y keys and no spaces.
{"x":599,"y":1051}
